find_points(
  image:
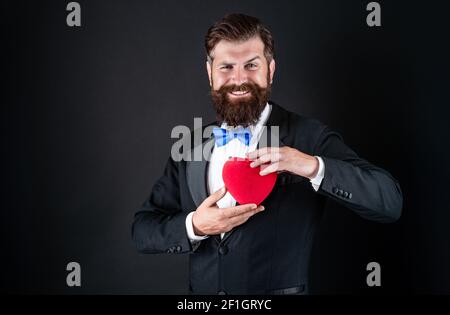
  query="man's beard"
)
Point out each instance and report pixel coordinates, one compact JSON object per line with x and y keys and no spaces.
{"x":242,"y":111}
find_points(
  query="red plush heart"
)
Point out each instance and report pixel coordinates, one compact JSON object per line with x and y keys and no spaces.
{"x":244,"y":183}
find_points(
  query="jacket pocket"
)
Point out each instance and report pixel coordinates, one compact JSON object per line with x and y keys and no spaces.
{"x":287,"y":178}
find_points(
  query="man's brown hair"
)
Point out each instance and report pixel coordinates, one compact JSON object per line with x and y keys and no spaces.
{"x":238,"y":28}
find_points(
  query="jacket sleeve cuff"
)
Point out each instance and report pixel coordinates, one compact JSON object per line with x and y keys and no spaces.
{"x":316,"y":181}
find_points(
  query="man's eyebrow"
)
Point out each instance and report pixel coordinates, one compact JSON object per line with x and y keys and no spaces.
{"x":253,"y":59}
{"x":225,"y":63}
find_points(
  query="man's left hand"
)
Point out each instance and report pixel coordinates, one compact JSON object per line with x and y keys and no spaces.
{"x":284,"y":159}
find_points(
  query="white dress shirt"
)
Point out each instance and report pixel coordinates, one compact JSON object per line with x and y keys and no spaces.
{"x":236,"y":148}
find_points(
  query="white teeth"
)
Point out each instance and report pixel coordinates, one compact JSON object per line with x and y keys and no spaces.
{"x":239,"y":92}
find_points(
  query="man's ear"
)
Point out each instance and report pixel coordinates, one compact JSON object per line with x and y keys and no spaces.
{"x":272,"y":70}
{"x":208,"y":68}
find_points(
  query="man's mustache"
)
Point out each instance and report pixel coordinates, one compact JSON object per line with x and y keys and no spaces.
{"x":245,"y":87}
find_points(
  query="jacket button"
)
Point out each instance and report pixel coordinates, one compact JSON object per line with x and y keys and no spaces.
{"x":350,"y":196}
{"x":340,"y":192}
{"x":345,"y":194}
{"x":178,"y":248}
{"x":223,"y":250}
{"x":335,"y":190}
{"x":221,"y":292}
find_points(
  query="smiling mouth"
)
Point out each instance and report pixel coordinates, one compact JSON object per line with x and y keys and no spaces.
{"x":239,"y":93}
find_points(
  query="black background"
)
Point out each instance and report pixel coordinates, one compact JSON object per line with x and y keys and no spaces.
{"x":87,"y":114}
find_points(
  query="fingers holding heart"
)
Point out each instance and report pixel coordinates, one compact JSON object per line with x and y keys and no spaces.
{"x":263,"y":151}
{"x":269,"y":159}
{"x":270,"y":168}
{"x":264,"y":156}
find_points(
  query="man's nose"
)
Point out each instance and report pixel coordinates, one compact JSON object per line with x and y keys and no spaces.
{"x":239,"y":76}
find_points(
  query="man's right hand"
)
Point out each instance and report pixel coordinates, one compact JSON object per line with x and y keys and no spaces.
{"x":209,"y":219}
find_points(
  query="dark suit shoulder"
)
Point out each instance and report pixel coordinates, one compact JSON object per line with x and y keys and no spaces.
{"x":299,"y":131}
{"x":297,"y":121}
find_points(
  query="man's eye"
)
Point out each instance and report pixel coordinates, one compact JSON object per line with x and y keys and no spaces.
{"x":226,"y":67}
{"x":252,"y":66}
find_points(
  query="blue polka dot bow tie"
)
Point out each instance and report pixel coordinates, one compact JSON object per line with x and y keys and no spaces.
{"x":223,"y":136}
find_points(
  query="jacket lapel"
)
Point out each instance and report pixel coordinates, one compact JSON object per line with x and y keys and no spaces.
{"x":196,"y":173}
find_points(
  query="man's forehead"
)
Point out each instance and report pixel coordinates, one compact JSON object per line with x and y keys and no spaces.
{"x":238,"y":51}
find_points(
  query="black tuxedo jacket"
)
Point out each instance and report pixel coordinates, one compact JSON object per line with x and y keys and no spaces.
{"x":269,"y":254}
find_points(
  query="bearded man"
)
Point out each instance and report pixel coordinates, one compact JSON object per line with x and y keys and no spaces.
{"x":248,"y":248}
